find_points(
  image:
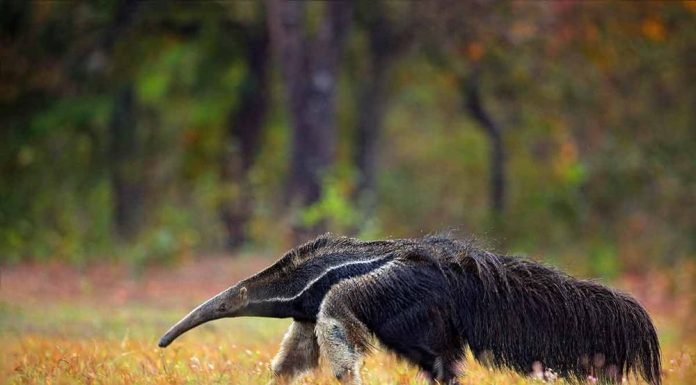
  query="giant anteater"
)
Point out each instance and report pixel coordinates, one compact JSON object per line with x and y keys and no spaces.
{"x":429,"y":299}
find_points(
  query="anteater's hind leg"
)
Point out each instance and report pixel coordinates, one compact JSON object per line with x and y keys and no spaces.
{"x":442,"y":372}
{"x":299,"y":352}
{"x":342,"y":338}
{"x":437,"y":369}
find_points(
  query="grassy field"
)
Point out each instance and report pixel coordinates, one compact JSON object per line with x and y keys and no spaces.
{"x":101,"y":326}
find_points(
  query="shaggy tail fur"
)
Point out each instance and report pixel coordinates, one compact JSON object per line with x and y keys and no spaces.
{"x":517,"y":312}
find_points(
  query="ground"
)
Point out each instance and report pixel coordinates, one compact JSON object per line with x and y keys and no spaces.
{"x":61,"y":325}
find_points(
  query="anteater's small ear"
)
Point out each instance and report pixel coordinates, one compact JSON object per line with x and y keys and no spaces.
{"x":243,"y":293}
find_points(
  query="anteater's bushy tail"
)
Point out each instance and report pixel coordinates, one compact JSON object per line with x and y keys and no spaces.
{"x":516,"y":312}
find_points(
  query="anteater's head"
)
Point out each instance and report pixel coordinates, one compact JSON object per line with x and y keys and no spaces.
{"x":225,"y":304}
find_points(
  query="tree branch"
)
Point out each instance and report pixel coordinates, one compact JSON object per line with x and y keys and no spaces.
{"x":472,"y":92}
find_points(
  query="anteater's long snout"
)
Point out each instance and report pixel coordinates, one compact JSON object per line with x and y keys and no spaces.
{"x":201,"y":314}
{"x":210,"y":310}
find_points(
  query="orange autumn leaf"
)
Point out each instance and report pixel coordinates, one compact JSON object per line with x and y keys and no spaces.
{"x":654,"y":30}
{"x":475,"y":51}
{"x":690,"y":5}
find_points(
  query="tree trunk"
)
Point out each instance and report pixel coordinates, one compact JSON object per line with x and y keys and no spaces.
{"x":497,"y":150}
{"x":383,"y":45}
{"x":125,"y":147}
{"x":127,"y":173}
{"x":310,"y":69}
{"x":245,"y":128}
{"x":369,"y":127}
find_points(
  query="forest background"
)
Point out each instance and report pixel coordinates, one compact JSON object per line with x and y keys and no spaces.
{"x":150,"y":132}
{"x":154,"y":153}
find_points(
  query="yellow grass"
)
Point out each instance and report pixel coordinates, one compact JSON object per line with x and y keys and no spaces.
{"x":81,"y":345}
{"x":101,"y":326}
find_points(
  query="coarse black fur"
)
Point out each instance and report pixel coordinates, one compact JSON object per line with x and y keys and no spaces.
{"x":429,"y":299}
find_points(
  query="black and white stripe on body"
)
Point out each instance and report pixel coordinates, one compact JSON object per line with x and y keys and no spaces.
{"x":427,"y":300}
{"x":295,"y":286}
{"x":302,"y":301}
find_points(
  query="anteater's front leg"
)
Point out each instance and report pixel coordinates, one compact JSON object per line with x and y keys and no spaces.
{"x":342,"y":337}
{"x":299,"y":352}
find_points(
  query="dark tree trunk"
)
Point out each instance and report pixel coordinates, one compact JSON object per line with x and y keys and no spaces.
{"x":245,"y":128}
{"x":383,"y":45}
{"x":310,"y":68}
{"x":497,"y":150}
{"x":126,"y":173}
{"x":369,"y":127}
{"x":125,"y":146}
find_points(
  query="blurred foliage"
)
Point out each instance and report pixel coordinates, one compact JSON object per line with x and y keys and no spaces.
{"x":596,"y":101}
